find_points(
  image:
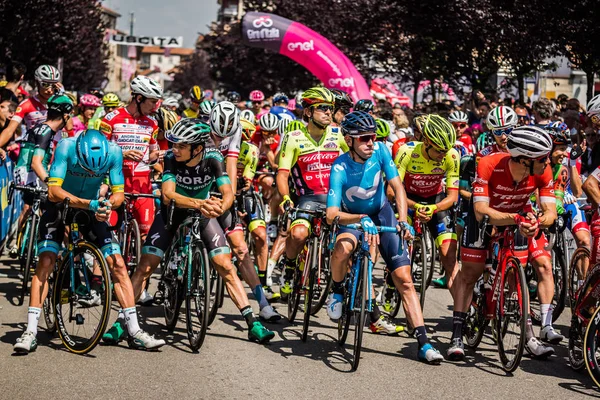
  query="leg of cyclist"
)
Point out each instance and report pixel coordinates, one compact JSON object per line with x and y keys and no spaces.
{"x":143,"y":212}
{"x":342,"y":251}
{"x":276,"y":252}
{"x":581,"y":233}
{"x":299,"y":231}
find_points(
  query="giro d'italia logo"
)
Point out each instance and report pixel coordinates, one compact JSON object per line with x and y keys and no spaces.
{"x":263,"y":22}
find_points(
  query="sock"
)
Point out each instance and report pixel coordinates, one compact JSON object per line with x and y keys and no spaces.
{"x":290,"y":266}
{"x":421,"y":334}
{"x":248,"y":316}
{"x":458,"y":320}
{"x":375,"y":314}
{"x":529,"y":330}
{"x":271,"y":264}
{"x":337,"y":287}
{"x":546,"y":314}
{"x":33,"y":318}
{"x":96,"y":283}
{"x":259,"y":295}
{"x":262,"y":276}
{"x":131,"y":320}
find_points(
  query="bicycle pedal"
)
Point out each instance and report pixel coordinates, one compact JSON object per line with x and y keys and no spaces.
{"x":159,"y":297}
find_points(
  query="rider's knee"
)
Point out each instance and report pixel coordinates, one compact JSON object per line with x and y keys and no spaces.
{"x":543,"y":266}
{"x":224,"y":267}
{"x":117,"y":266}
{"x":259,"y":236}
{"x":299,"y":234}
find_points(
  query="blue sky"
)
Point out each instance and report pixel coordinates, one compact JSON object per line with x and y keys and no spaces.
{"x":166,"y":17}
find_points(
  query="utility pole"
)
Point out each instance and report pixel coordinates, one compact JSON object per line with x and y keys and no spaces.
{"x":131,"y":24}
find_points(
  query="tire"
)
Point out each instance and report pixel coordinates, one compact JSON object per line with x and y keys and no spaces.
{"x":132,"y":246}
{"x":324,"y":278}
{"x":173,"y":289}
{"x":508,"y":310}
{"x":591,"y":347}
{"x":476,"y":321}
{"x":49,"y":315}
{"x":197,"y":300}
{"x":69,"y":314}
{"x":30,"y":254}
{"x":309,"y":285}
{"x":419,"y":267}
{"x":359,"y":317}
{"x":297,"y":282}
{"x":573,"y":287}
{"x":215,"y":291}
{"x":560,"y":289}
{"x":344,"y":321}
{"x":576,"y":333}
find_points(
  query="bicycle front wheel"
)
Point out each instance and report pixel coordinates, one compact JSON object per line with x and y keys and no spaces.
{"x":29,"y":256}
{"x":309,"y":286}
{"x":420,"y":267}
{"x":216,"y":291}
{"x":511,"y":314}
{"x":132,"y":246}
{"x":591,"y":346}
{"x":197,"y":300}
{"x":82,"y":308}
{"x":47,"y":305}
{"x":324,"y":279}
{"x":580,"y":257}
{"x":360,"y":314}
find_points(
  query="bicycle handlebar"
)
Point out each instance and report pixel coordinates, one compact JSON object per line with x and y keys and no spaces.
{"x":381,"y":229}
{"x":142,"y":195}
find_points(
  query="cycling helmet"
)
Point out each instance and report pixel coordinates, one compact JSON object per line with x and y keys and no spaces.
{"x":92,"y":151}
{"x":458,"y":116}
{"x":529,"y":141}
{"x":206,"y":107}
{"x":280,"y":97}
{"x":268,"y":122}
{"x":248,"y":115}
{"x":341,"y":100}
{"x":484,"y":140}
{"x":284,"y":121}
{"x":89,"y":100}
{"x":559,"y":132}
{"x":234,"y":97}
{"x":298,"y":98}
{"x":593,"y":106}
{"x":189,"y":130}
{"x":317,"y":95}
{"x":365,"y":105}
{"x":110,"y":100}
{"x":196,"y":93}
{"x":257,"y":95}
{"x":418,"y":122}
{"x":502,"y":117}
{"x":248,"y":129}
{"x":60,"y":103}
{"x":98,"y":92}
{"x":383,"y":128}
{"x":295,"y":125}
{"x":147,"y":87}
{"x":357,"y":123}
{"x":225,"y":119}
{"x":165,"y":118}
{"x":439,"y":132}
{"x":47,"y":73}
{"x":170,"y":102}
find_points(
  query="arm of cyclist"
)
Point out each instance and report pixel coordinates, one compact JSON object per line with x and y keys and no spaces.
{"x":283,"y":187}
{"x":231,"y":168}
{"x":592,"y":189}
{"x":7,"y":134}
{"x":548,"y":214}
{"x":209,"y":207}
{"x":401,"y":203}
{"x":38,"y":167}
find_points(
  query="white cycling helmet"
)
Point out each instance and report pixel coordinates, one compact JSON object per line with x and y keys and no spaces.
{"x":593,"y":107}
{"x":147,"y":87}
{"x":248,"y":115}
{"x":47,"y":73}
{"x":501,"y":117}
{"x":225,"y":119}
{"x":206,"y":107}
{"x":189,"y":130}
{"x":170,"y":102}
{"x":458,"y":116}
{"x":284,"y":122}
{"x":269,"y":122}
{"x":529,"y":141}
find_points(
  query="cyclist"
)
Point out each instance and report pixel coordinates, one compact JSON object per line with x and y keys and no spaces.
{"x":88,"y":104}
{"x":170,"y":103}
{"x":226,"y":133}
{"x":567,"y":186}
{"x":267,"y":141}
{"x":204,"y":110}
{"x":365,"y":105}
{"x":591,"y":186}
{"x":79,"y":168}
{"x":248,"y":115}
{"x":110,"y":102}
{"x":502,"y":189}
{"x":165,"y":119}
{"x":192,"y":167}
{"x":357,"y":195}
{"x":460,"y":120}
{"x":234,"y":97}
{"x":280,"y":103}
{"x":341,"y":105}
{"x":383,"y":133}
{"x":257,"y":97}
{"x":133,"y":129}
{"x":196,"y":96}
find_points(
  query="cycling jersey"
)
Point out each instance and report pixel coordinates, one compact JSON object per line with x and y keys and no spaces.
{"x":78,"y":126}
{"x":494,"y":184}
{"x":196,"y":181}
{"x":257,"y":139}
{"x":189,"y":113}
{"x":37,"y":141}
{"x":230,"y":146}
{"x":422,"y":177}
{"x":68,"y":174}
{"x":466,"y":141}
{"x":561,"y":180}
{"x":131,"y":133}
{"x":31,"y":111}
{"x":279,"y":111}
{"x":358,"y":188}
{"x":308,"y":162}
{"x":247,"y":161}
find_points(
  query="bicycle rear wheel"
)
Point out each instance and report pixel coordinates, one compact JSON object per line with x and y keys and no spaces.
{"x":560,"y":289}
{"x":420,"y":267}
{"x":172,"y":290}
{"x":80,"y":327}
{"x":511,"y":314}
{"x":360,"y":314}
{"x":591,"y":347}
{"x":576,"y":334}
{"x":324,"y":279}
{"x":580,"y":256}
{"x":294,"y":297}
{"x":29,"y":256}
{"x":132,"y":246}
{"x":216,"y":290}
{"x":47,"y":307}
{"x":309,"y":285}
{"x":476,"y":321}
{"x":197,"y":300}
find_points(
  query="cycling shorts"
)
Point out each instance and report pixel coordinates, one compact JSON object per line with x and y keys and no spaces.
{"x":576,"y":220}
{"x":230,"y":222}
{"x":142,"y":209}
{"x":474,"y":248}
{"x":389,"y":243}
{"x":251,"y":206}
{"x":442,"y":224}
{"x":94,"y":231}
{"x":311,"y":202}
{"x":159,"y":238}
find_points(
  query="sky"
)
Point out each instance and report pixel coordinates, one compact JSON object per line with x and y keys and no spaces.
{"x":166,"y":17}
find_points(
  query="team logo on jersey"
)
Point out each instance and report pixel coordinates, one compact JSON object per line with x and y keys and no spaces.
{"x":338,"y":168}
{"x":364,"y":194}
{"x":437,"y":170}
{"x":415,"y":155}
{"x":296,"y":133}
{"x":330,"y":146}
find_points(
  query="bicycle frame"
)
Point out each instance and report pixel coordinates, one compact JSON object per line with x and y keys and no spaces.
{"x":588,"y":295}
{"x":503,"y":247}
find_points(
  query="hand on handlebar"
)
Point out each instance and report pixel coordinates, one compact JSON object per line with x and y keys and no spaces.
{"x":409,"y":231}
{"x":528,"y":225}
{"x":286,"y":199}
{"x":212,"y":207}
{"x":370,"y":231}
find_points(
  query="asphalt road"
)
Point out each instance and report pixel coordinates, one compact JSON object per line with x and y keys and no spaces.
{"x":229,"y":366}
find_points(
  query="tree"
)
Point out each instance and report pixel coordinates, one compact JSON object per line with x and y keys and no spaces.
{"x":194,"y":71}
{"x":37,"y":32}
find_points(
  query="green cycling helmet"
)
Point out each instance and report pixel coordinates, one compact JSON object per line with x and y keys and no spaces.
{"x":439,"y":132}
{"x":60,"y":103}
{"x":383,"y":128}
{"x":295,"y":125}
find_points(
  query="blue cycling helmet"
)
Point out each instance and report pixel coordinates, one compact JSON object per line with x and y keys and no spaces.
{"x":357,"y":123}
{"x":279,"y":97}
{"x":365,"y":105}
{"x":92,"y":150}
{"x":559,"y":132}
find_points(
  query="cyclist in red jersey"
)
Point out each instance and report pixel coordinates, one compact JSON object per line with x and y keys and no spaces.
{"x":267,"y":141}
{"x":591,"y":186}
{"x":460,"y":122}
{"x":133,"y":129}
{"x":502,"y":189}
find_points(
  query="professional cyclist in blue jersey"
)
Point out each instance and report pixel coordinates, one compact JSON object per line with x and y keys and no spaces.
{"x":357,"y":195}
{"x":79,"y":168}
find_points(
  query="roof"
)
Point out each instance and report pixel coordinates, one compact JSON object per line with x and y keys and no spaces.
{"x":108,"y":11}
{"x":175,"y":51}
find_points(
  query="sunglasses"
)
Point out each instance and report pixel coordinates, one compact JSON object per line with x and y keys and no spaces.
{"x":500,"y":132}
{"x":542,"y":159}
{"x":47,"y":85}
{"x":366,"y":138}
{"x":324,"y":107}
{"x":460,"y":125}
{"x":269,"y":133}
{"x":429,"y":147}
